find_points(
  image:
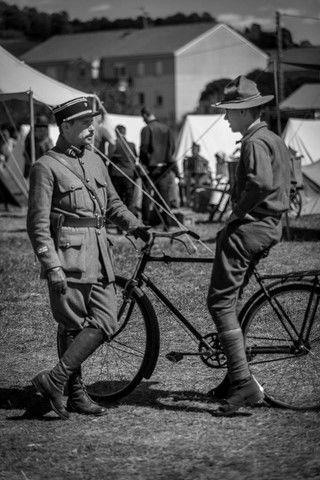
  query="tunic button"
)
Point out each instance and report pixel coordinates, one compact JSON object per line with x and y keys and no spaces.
{"x":93,"y":196}
{"x":87,"y":180}
{"x":72,"y":187}
{"x":68,"y":244}
{"x":98,"y":232}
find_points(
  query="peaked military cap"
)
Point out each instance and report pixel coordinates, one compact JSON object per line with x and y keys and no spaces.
{"x":73,"y":110}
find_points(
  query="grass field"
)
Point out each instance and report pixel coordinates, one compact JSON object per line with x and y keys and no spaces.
{"x":165,"y":429}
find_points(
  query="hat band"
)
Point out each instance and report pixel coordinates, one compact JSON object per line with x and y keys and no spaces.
{"x":83,"y":113}
{"x":239,"y":100}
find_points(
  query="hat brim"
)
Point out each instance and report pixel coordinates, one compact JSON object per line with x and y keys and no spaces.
{"x":241,"y":105}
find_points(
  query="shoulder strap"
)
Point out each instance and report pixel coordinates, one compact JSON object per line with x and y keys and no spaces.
{"x":63,"y":162}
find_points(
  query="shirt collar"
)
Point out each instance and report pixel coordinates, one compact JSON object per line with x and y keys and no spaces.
{"x":70,"y":150}
{"x":252,"y":129}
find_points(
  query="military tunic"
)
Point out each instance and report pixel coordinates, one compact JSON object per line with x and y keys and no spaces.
{"x":84,"y":253}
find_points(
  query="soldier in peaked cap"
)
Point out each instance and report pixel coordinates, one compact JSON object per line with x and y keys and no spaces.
{"x":259,"y":198}
{"x":71,"y":196}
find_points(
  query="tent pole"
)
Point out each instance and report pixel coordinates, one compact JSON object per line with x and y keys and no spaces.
{"x":31,"y":112}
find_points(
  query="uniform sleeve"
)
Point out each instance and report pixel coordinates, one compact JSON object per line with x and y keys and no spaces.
{"x":259,"y":178}
{"x":38,"y":216}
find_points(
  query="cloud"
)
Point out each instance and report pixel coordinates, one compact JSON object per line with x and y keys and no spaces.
{"x":100,"y":8}
{"x":241,"y":21}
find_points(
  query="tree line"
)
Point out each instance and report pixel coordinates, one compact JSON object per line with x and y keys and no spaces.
{"x":39,"y":26}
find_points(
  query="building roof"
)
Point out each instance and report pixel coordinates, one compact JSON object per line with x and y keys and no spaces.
{"x":115,"y":43}
{"x":166,"y":40}
{"x":306,"y":57}
{"x":306,"y":97}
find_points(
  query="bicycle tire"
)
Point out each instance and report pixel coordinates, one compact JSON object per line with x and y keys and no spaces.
{"x":290,"y":380}
{"x":118,"y":366}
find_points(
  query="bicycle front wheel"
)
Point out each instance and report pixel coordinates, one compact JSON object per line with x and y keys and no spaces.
{"x":289,"y":370}
{"x":118,"y":366}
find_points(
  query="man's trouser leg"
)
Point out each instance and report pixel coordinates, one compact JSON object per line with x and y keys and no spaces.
{"x":91,"y":309}
{"x":236,"y":245}
{"x":230,"y":265}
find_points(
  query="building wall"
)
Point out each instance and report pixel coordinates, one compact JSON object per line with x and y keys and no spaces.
{"x":219,"y":54}
{"x":148,"y":80}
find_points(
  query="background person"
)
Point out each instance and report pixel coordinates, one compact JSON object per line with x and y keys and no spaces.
{"x":196,"y":173}
{"x":156,"y":156}
{"x":123,"y":154}
{"x":71,"y":198}
{"x":259,"y":198}
{"x":42,"y":142}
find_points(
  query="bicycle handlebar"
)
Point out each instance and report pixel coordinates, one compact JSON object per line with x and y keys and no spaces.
{"x":173,"y":235}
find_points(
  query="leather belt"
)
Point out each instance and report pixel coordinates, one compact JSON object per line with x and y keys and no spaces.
{"x":91,"y":222}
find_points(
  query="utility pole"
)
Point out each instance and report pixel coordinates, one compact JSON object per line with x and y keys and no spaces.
{"x":279,"y":56}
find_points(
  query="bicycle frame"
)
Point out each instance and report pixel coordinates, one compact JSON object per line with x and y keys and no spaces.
{"x":140,"y":278}
{"x":313,"y":302}
{"x":298,"y":338}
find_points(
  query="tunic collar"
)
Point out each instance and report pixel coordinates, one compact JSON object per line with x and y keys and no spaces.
{"x":70,"y":150}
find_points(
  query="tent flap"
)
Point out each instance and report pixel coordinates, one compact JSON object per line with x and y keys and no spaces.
{"x":21,"y":78}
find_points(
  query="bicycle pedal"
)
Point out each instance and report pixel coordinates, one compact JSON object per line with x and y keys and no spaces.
{"x":174,"y":357}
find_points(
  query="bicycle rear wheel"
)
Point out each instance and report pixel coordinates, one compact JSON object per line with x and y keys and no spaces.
{"x":118,"y":366}
{"x":289,"y":372}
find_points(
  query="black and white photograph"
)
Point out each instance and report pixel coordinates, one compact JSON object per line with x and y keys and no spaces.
{"x":159,"y":240}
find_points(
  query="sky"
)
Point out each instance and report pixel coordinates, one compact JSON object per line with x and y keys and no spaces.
{"x":299,"y":16}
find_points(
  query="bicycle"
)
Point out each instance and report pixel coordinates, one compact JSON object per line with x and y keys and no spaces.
{"x":280,"y":322}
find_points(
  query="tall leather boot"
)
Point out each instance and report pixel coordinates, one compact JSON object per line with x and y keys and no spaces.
{"x":51,"y":383}
{"x":78,"y":399}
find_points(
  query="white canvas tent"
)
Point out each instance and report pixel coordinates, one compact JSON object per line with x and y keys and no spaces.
{"x":20,"y":81}
{"x":303,"y":135}
{"x":311,"y":189}
{"x":211,"y":132}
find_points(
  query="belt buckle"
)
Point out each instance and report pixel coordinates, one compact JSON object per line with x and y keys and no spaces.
{"x":99,"y":221}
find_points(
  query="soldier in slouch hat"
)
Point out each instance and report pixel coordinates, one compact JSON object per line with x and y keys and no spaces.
{"x":260,"y":196}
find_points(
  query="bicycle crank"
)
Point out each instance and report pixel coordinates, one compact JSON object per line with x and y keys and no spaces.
{"x":211,"y":351}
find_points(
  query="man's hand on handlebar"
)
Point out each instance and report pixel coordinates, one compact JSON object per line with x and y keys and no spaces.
{"x":142,"y":233}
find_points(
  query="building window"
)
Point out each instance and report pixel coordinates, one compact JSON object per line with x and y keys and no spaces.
{"x":141,"y":98}
{"x":119,"y":70}
{"x":159,"y":68}
{"x":159,"y":100}
{"x":95,"y":68}
{"x":141,"y":70}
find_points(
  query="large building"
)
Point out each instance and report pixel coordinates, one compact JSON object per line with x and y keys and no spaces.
{"x":164,"y":68}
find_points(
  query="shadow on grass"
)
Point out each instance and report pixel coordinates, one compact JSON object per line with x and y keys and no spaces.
{"x":146,"y":395}
{"x":26,"y":399}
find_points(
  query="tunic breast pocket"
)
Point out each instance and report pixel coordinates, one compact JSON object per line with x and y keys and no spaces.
{"x":72,"y":195}
{"x":71,"y":251}
{"x":102,"y":190}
